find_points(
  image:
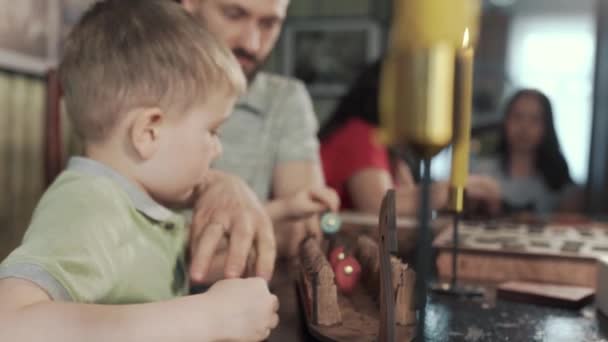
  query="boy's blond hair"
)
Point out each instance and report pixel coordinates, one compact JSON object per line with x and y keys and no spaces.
{"x":125,"y":54}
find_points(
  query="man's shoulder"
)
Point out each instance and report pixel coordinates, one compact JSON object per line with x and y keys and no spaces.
{"x":273,"y":95}
{"x":275,"y":84}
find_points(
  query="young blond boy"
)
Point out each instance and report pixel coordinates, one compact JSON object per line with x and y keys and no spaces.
{"x":133,"y":75}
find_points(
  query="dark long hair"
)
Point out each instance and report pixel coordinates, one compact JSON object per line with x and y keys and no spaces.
{"x":550,"y":161}
{"x":360,"y":101}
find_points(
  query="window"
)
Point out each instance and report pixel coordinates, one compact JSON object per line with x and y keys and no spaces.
{"x":556,"y":54}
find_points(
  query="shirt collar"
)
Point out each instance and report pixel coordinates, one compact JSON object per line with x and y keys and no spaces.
{"x":140,"y":199}
{"x":254,"y":99}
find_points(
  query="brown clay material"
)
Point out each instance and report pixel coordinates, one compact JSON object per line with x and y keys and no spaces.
{"x":359,"y":321}
{"x":360,"y":311}
{"x":367,"y":254}
{"x":404,"y":280}
{"x":405,"y":312}
{"x":318,"y":279}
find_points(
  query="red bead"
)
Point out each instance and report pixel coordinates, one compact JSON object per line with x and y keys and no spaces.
{"x":336,"y":255}
{"x":348,"y":272}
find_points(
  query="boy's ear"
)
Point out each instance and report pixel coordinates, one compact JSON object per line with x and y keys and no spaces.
{"x":145,"y":131}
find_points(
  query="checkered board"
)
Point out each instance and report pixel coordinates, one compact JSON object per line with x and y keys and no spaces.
{"x":589,"y":241}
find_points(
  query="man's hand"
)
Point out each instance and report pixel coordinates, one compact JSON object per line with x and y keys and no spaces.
{"x":313,"y":201}
{"x":303,"y":204}
{"x":289,"y":179}
{"x":216,"y":270}
{"x":226,"y":206}
{"x":291,"y":233}
{"x":297,"y":216}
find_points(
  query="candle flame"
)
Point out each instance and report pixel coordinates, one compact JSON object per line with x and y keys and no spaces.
{"x":466,"y":38}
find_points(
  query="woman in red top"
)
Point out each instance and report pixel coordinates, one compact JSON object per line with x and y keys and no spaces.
{"x":355,"y":164}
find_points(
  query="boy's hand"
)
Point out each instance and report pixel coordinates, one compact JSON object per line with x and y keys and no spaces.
{"x":226,"y":206}
{"x":246,"y":310}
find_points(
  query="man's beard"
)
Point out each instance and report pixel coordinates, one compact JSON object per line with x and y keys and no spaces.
{"x":250,"y":75}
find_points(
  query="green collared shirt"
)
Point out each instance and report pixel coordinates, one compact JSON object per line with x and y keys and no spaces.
{"x":97,"y":238}
{"x":272,"y":124}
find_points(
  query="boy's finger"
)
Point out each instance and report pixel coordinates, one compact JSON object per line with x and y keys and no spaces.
{"x":203,"y":251}
{"x":275,"y":303}
{"x":274,"y":321}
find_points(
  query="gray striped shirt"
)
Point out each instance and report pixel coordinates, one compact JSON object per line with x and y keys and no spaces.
{"x":273,"y":123}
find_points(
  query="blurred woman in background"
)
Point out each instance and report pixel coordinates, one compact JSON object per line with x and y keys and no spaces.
{"x":528,"y":171}
{"x":356,"y":164}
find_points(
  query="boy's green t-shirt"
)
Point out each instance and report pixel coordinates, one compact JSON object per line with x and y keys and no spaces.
{"x":97,"y":238}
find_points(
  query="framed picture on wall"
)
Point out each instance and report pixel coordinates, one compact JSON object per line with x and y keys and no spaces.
{"x":29,"y":35}
{"x":327,"y":54}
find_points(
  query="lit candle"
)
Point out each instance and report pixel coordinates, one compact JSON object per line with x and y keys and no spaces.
{"x":462,"y":132}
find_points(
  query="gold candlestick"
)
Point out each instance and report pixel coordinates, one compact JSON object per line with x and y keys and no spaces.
{"x":417,"y":89}
{"x":417,"y":98}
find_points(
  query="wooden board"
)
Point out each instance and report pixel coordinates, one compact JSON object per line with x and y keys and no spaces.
{"x":504,"y":252}
{"x":360,"y":320}
{"x":364,"y":315}
{"x":571,"y":297}
{"x":357,"y":224}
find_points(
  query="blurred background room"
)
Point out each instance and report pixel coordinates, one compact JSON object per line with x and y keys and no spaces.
{"x":558,"y":47}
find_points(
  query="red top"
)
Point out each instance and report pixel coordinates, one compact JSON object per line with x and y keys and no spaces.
{"x":350,"y":149}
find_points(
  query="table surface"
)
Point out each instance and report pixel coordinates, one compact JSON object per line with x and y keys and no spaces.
{"x":452,"y":319}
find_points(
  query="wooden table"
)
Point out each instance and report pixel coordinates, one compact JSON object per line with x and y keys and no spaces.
{"x":451,"y":319}
{"x":291,"y":327}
